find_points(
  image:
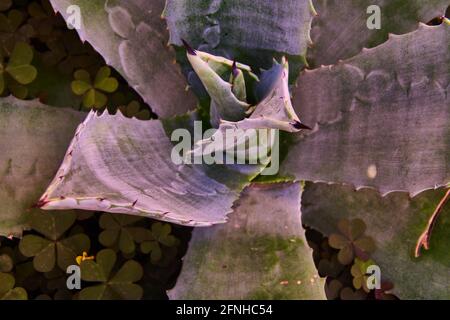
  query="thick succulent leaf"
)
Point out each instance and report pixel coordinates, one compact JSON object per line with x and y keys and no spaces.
{"x":383,"y":116}
{"x":248,"y":26}
{"x":227,"y":105}
{"x":122,"y":165}
{"x":275,"y":111}
{"x":261,"y":253}
{"x":34,"y":138}
{"x":340,"y":30}
{"x":132,"y":38}
{"x":395,"y":222}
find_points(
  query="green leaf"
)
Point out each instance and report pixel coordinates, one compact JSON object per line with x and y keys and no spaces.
{"x":261,"y":253}
{"x":34,"y":140}
{"x":19,"y":64}
{"x":340,"y":30}
{"x":17,"y":90}
{"x":69,"y":248}
{"x":80,"y":87}
{"x":395,"y":222}
{"x":53,"y":87}
{"x":126,"y":242}
{"x":94,"y":99}
{"x":119,"y":286}
{"x":132,"y":38}
{"x":108,"y":85}
{"x":47,"y":252}
{"x":108,"y":238}
{"x":104,"y":82}
{"x":82,"y":75}
{"x":99,"y":270}
{"x":52,"y":224}
{"x":153,"y":248}
{"x":363,"y":135}
{"x":118,"y":232}
{"x":31,"y":245}
{"x":7,"y":290}
{"x":45,"y":260}
{"x":155,"y":186}
{"x":21,"y":55}
{"x":6,"y":263}
{"x":94,"y":293}
{"x":131,"y":271}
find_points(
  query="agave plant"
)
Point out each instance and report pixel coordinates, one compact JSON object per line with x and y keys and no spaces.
{"x":375,"y":100}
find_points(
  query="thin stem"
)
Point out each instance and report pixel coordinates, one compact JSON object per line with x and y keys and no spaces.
{"x":424,"y":239}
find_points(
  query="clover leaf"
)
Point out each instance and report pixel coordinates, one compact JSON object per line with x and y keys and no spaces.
{"x":119,"y":232}
{"x":12,"y":30}
{"x":93,"y":93}
{"x":133,"y":109}
{"x":160,"y":235}
{"x":333,"y":288}
{"x":43,"y":21}
{"x":359,"y":273}
{"x":7,"y":289}
{"x":119,"y":286}
{"x":53,"y":248}
{"x":6,"y":263}
{"x":330,"y":267}
{"x":351,"y":241}
{"x":18,"y":71}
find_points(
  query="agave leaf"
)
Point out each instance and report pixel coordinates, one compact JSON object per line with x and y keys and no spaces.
{"x":395,"y":222}
{"x":34,"y":139}
{"x":340,"y":30}
{"x":261,"y":253}
{"x":132,"y":38}
{"x":275,"y":111}
{"x":248,"y":26}
{"x":383,"y":117}
{"x":227,"y":105}
{"x":122,"y":165}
